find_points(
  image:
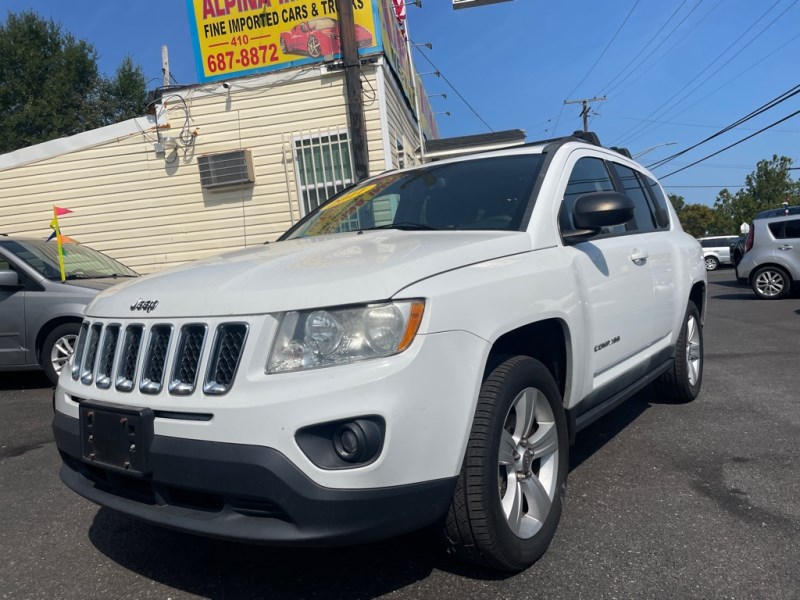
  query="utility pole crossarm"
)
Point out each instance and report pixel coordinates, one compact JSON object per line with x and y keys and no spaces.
{"x":585,"y":108}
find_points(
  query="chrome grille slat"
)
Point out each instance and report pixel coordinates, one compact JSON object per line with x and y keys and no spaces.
{"x":188,"y":353}
{"x":87,"y":370}
{"x":155,"y":361}
{"x":225,"y":356}
{"x":105,"y":360}
{"x":78,"y":356}
{"x":126,"y":372}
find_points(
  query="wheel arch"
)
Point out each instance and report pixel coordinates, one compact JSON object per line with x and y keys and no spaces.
{"x":697,"y":295}
{"x":548,"y":341}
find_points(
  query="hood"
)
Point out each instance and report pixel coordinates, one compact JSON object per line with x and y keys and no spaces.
{"x":304,"y":273}
{"x":97,"y":284}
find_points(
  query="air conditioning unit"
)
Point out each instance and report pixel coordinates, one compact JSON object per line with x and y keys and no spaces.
{"x":226,"y":169}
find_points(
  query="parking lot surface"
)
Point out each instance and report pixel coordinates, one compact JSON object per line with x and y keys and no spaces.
{"x":700,"y":500}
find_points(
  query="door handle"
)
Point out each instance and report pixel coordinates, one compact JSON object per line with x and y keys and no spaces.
{"x":785,"y":247}
{"x":638,"y":257}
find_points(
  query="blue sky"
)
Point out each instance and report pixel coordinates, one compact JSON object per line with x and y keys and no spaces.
{"x":676,"y":70}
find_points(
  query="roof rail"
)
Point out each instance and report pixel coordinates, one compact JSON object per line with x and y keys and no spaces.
{"x":590,"y":137}
{"x":623,"y":151}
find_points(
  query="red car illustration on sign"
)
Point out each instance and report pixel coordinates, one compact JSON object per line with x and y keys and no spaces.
{"x":319,"y":37}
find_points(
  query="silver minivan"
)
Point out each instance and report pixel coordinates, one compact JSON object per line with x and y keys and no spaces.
{"x":771,"y":264}
{"x":39,"y":315}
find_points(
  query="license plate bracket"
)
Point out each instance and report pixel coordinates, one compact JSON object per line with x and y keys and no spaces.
{"x":116,"y":438}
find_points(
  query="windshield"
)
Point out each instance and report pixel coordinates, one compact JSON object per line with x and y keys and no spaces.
{"x":80,"y":262}
{"x":481,"y":194}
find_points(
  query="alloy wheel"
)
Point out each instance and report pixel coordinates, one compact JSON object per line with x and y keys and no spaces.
{"x":770,"y":283}
{"x":693,"y":354}
{"x":62,"y":351}
{"x":528,"y":463}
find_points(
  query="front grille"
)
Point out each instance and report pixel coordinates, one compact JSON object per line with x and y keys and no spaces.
{"x":136,"y":354}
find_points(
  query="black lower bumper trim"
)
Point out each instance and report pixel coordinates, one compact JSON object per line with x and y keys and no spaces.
{"x":247,"y":493}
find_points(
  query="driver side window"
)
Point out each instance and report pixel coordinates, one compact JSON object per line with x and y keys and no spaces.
{"x":588,"y":175}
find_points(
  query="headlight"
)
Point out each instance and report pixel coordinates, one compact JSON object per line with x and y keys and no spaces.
{"x":310,"y":339}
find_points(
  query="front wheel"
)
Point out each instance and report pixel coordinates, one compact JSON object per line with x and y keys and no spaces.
{"x":771,"y":283}
{"x":58,"y":348}
{"x":682,"y":382}
{"x":509,"y":495}
{"x":711,"y":263}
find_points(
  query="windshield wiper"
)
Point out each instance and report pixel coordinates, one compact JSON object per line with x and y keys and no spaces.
{"x":406,"y":226}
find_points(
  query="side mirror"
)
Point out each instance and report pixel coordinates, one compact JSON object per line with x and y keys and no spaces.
{"x":596,"y":210}
{"x":9,"y":280}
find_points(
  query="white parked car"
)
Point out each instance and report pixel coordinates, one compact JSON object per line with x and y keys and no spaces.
{"x":422,"y":349}
{"x":717,"y":250}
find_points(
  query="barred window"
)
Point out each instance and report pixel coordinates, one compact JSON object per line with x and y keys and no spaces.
{"x":323,"y":166}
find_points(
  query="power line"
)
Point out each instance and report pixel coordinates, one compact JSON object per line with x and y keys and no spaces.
{"x":628,"y":134}
{"x":452,"y":87}
{"x":695,"y":124}
{"x":760,"y":110}
{"x":752,"y":135}
{"x":611,"y":41}
{"x":666,"y":53}
{"x":722,"y":66}
{"x":661,"y":43}
{"x":637,"y":54}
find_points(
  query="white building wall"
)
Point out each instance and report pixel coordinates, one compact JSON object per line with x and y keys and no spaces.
{"x":149,"y":210}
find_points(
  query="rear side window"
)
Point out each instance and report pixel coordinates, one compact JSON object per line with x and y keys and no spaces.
{"x":588,"y":175}
{"x":660,"y":202}
{"x":785,"y":229}
{"x":643,"y":218}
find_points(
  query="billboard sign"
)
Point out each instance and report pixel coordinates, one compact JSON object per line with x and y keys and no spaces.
{"x":233,"y":38}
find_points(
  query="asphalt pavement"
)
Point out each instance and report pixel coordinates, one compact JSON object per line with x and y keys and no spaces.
{"x":700,"y":500}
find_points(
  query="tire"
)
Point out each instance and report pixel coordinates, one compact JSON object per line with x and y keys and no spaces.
{"x":711,"y":263}
{"x":492,"y":520}
{"x":771,"y":283}
{"x":284,"y":47}
{"x":683,"y":381}
{"x":314,"y":47}
{"x":57,"y":349}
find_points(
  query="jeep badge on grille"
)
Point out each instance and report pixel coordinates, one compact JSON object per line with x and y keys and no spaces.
{"x":145,"y":305}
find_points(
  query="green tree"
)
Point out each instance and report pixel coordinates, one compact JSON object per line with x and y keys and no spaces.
{"x":698,"y":220}
{"x":50,"y":86}
{"x":678,"y":202}
{"x":767,"y":187}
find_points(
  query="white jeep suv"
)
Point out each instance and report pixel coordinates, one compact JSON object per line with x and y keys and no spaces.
{"x":421,"y":349}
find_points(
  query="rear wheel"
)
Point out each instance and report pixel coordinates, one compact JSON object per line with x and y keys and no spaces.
{"x":711,"y":263}
{"x":682,"y":382}
{"x":771,"y":283}
{"x":314,"y":47}
{"x":58,"y":348}
{"x":509,"y":495}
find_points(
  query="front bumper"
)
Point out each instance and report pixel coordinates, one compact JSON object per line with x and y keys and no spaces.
{"x":247,"y":493}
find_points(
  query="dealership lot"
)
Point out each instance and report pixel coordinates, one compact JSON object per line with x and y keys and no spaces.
{"x":689,"y":501}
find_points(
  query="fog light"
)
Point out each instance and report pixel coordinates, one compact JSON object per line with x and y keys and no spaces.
{"x":357,"y":441}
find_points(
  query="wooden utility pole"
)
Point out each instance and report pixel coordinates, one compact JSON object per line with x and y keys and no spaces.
{"x":165,"y":65}
{"x":585,"y":109}
{"x":352,"y":78}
